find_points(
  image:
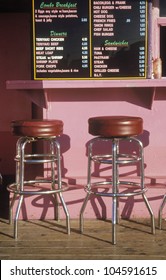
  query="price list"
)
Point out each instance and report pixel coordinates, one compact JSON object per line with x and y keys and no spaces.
{"x":142,"y":50}
{"x":90,"y":39}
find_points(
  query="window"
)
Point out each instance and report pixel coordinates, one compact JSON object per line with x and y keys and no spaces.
{"x":163,"y":49}
{"x":162,"y":8}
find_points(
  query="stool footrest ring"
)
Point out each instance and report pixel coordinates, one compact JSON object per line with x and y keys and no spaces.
{"x":111,"y":194}
{"x":13,"y":188}
{"x":121,"y":159}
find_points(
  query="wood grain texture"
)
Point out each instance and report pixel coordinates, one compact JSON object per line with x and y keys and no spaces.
{"x":48,"y":240}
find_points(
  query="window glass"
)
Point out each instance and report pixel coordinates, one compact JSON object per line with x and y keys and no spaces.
{"x":162,"y":49}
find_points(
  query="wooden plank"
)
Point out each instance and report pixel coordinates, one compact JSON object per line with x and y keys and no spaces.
{"x":48,"y":240}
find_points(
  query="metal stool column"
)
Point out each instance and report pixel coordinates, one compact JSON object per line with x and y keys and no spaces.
{"x":116,"y":130}
{"x":115,"y":188}
{"x":45,"y":131}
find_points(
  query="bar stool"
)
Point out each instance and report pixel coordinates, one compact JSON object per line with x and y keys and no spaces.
{"x":160,"y":212}
{"x":45,"y":132}
{"x":115,"y":130}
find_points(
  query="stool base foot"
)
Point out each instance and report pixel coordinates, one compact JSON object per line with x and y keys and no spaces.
{"x":115,"y":219}
{"x":160,"y":212}
{"x":150,"y":212}
{"x":56,"y":207}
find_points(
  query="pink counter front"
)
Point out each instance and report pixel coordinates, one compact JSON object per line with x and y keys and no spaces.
{"x":74,"y":102}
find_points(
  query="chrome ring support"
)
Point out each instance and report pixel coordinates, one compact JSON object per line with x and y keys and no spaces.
{"x":160,"y":212}
{"x":19,"y":187}
{"x":115,"y":160}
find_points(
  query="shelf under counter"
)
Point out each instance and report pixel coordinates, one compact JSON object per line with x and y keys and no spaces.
{"x":35,"y":88}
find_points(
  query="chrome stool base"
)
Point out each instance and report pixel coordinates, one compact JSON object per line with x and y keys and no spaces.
{"x":115,"y":159}
{"x":21,"y":187}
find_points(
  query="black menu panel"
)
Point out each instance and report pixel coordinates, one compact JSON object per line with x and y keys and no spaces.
{"x":88,"y":39}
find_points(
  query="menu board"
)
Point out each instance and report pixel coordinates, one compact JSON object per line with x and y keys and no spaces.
{"x":88,"y":39}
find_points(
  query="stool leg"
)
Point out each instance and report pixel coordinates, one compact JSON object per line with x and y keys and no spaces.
{"x":18,"y":152}
{"x":20,"y":181}
{"x":60,"y":187}
{"x":150,"y":212}
{"x":160,"y":211}
{"x":88,"y":187}
{"x":56,"y":202}
{"x":11,"y":208}
{"x":66,"y":212}
{"x":17,"y":216}
{"x":82,"y":212}
{"x":114,"y":190}
{"x":143,"y":185}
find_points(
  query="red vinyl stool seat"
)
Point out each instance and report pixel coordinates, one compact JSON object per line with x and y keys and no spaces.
{"x":45,"y":132}
{"x":116,"y":130}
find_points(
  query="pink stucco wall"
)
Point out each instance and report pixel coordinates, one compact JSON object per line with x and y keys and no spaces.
{"x":74,"y":107}
{"x":14,"y":64}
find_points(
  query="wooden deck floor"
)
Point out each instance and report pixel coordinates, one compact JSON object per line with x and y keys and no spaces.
{"x":48,"y":240}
